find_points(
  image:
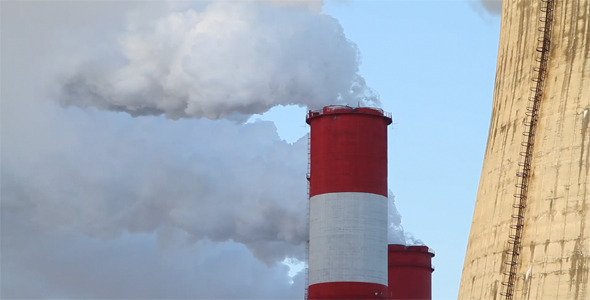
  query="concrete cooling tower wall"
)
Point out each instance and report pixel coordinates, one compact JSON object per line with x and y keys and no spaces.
{"x":528,"y":237}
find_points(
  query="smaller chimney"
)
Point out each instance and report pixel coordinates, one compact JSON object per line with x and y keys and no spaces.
{"x":410,"y":272}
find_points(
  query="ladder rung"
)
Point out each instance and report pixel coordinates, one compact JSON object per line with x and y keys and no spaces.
{"x":508,"y":273}
{"x":512,"y":252}
{"x":519,"y":206}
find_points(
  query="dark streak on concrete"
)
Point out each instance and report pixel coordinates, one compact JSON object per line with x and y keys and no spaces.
{"x":585,"y":124}
{"x":580,"y":264}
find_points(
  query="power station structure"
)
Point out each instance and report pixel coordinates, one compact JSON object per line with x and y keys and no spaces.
{"x":529,"y":238}
{"x":349,"y":257}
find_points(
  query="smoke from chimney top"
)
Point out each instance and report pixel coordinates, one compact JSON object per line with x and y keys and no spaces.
{"x":82,"y":179}
{"x":226,"y":60}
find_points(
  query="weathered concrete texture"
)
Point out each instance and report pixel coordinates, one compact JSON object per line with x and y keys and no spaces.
{"x":554,"y":261}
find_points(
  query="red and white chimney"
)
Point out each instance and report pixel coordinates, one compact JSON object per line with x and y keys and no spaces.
{"x":410,"y":272}
{"x":348,"y":254}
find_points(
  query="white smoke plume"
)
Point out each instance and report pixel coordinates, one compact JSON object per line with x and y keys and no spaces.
{"x":229,"y":59}
{"x":248,"y":186}
{"x":101,"y":205}
{"x":395,"y":231}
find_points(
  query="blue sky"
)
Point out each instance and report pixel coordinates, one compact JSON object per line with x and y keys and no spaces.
{"x":99,"y":204}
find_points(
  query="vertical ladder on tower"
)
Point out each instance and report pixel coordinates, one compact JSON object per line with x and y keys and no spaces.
{"x":526,"y":153}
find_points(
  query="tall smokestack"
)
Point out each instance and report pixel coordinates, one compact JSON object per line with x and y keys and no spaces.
{"x":348,"y":203}
{"x":528,"y":237}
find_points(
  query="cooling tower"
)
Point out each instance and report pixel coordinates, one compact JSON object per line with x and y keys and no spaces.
{"x":528,"y":238}
{"x":348,"y":203}
{"x":410,"y":272}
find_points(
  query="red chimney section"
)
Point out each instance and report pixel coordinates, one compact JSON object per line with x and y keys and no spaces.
{"x":410,"y":272}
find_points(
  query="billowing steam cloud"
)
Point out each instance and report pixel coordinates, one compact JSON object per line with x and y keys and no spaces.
{"x":100,"y":205}
{"x":227,"y":60}
{"x":248,"y":186}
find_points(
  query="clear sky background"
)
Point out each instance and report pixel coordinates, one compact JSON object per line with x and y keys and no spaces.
{"x":99,"y":204}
